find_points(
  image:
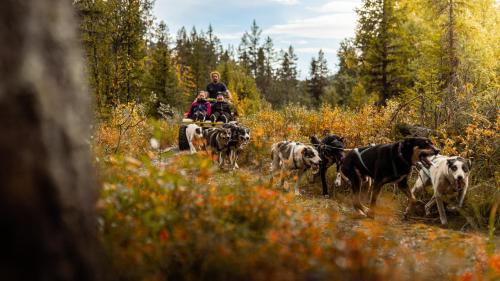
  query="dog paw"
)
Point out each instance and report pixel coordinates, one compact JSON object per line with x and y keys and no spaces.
{"x":370,"y":214}
{"x":326,"y":196}
{"x":359,"y":214}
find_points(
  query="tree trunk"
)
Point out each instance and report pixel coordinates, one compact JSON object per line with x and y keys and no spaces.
{"x":48,"y":191}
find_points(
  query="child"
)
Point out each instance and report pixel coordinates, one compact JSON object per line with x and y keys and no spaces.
{"x":200,"y":108}
{"x":221,"y":110}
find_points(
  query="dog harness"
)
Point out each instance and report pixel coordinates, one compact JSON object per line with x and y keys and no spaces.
{"x":356,"y":151}
{"x":424,"y":169}
{"x":293,"y":156}
{"x":394,"y":168}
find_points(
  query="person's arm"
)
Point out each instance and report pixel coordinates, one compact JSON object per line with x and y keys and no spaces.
{"x":228,"y":108}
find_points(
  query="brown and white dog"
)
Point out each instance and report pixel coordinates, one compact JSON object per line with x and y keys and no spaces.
{"x":449,"y":177}
{"x":293,"y":156}
{"x":218,"y":142}
{"x":385,"y":163}
{"x":240,"y":138}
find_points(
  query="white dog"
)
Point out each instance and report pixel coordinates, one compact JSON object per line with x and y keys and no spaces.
{"x":194,"y":135}
{"x":294,"y":156}
{"x":449,"y":177}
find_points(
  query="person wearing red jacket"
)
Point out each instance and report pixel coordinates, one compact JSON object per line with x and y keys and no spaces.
{"x":200,"y":108}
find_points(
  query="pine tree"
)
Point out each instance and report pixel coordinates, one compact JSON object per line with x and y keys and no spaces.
{"x":130,"y":21}
{"x":318,"y":77}
{"x":286,"y":89}
{"x":347,"y":75}
{"x":95,"y":36}
{"x":162,"y":80}
{"x":384,"y":55}
{"x":265,"y":76}
{"x":249,"y":48}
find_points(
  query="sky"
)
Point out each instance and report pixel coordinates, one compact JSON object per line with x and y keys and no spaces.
{"x":307,"y":25}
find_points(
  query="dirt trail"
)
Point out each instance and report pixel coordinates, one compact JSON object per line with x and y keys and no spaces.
{"x":416,"y":236}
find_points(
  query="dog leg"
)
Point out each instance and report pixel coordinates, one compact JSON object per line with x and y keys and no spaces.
{"x":322,"y":172}
{"x":366,"y":189}
{"x":356,"y":186}
{"x":236,"y":156}
{"x":275,"y":160}
{"x":373,"y":200}
{"x":462,"y":195}
{"x":338,"y":179}
{"x":191,"y":146}
{"x":403,"y":186}
{"x":429,"y":205}
{"x":282,"y":178}
{"x":220,"y":160}
{"x":419,"y":185}
{"x":442,"y":211}
{"x":296,"y":187}
{"x":231,"y":162}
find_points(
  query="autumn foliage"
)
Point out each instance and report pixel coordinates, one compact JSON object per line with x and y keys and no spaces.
{"x":173,"y":216}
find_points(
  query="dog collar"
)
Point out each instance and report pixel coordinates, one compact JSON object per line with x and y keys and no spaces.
{"x":400,"y":155}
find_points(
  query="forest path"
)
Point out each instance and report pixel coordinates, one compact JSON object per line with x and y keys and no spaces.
{"x":419,"y":239}
{"x":416,"y":237}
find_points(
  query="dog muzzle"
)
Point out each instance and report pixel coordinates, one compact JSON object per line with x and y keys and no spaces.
{"x":314,"y":167}
{"x":424,"y":159}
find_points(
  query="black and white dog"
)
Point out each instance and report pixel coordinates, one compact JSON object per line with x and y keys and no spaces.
{"x":194,"y":135}
{"x":240,"y":138}
{"x":330,"y":150}
{"x":217,"y":142}
{"x":385,"y":163}
{"x":449,"y":177}
{"x":293,"y":156}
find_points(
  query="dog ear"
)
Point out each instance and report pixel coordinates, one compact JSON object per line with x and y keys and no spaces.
{"x":450,"y":162}
{"x":469,"y":163}
{"x":314,"y":139}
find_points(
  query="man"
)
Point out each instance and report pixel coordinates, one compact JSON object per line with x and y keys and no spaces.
{"x":216,"y":87}
{"x":221,"y":110}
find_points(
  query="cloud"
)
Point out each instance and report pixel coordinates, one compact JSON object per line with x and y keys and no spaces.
{"x":331,"y":26}
{"x":287,"y":2}
{"x":342,"y":6}
{"x":229,"y":36}
{"x":314,"y":50}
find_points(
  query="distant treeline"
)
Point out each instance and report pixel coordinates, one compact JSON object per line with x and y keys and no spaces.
{"x":437,"y":54}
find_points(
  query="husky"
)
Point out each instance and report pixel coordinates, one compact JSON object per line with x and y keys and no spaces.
{"x":294,"y":156}
{"x":449,"y":177}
